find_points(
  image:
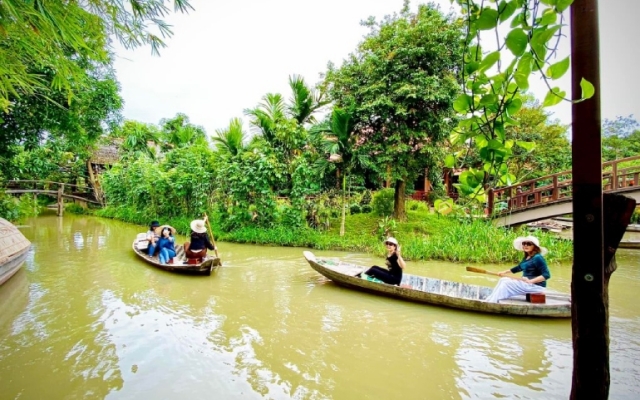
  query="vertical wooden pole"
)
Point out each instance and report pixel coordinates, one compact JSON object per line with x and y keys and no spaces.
{"x":589,"y":309}
{"x":60,"y":201}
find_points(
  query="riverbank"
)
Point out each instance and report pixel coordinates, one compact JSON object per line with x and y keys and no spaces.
{"x":423,"y":236}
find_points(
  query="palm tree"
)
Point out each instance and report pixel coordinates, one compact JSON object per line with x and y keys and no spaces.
{"x":337,"y":139}
{"x":138,"y":138}
{"x":180,"y":132}
{"x":231,"y":140}
{"x":265,"y":117}
{"x":305,"y":101}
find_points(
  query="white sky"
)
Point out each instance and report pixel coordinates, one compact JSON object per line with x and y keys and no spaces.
{"x":227,"y":54}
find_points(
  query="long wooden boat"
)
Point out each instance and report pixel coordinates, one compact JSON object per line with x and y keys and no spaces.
{"x":14,"y":248}
{"x":630,"y":244}
{"x":179,"y":261}
{"x":441,"y":292}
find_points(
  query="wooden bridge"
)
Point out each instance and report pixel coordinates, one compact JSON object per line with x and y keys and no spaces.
{"x":58,"y":190}
{"x":551,"y":196}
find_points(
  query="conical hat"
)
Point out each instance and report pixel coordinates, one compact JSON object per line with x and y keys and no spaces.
{"x":12,"y":241}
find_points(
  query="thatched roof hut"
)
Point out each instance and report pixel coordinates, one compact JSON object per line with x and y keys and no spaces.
{"x":12,"y":241}
{"x":106,"y":154}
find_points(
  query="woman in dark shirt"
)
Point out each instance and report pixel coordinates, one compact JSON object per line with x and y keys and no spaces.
{"x":395,"y":264}
{"x":196,"y":249}
{"x":533,"y":266}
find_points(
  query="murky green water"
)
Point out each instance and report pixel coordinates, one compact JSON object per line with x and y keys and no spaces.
{"x":85,"y":319}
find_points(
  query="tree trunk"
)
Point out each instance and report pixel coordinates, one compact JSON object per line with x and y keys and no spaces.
{"x":344,"y":203}
{"x":590,"y":306}
{"x":398,"y":204}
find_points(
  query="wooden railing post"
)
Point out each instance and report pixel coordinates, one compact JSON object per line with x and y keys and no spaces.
{"x":554,"y":193}
{"x":60,"y":200}
{"x":614,"y":175}
{"x":490,"y":201}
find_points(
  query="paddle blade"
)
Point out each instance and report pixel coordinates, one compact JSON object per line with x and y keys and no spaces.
{"x":478,"y":270}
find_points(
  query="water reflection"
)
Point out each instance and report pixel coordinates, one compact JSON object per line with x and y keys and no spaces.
{"x":91,"y":320}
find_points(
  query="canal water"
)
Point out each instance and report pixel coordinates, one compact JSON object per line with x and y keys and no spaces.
{"x":85,"y":319}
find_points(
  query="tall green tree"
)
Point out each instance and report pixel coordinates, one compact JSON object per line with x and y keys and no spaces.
{"x":401,"y":83}
{"x":41,"y":33}
{"x":337,"y":140}
{"x":137,"y":138}
{"x":180,"y":132}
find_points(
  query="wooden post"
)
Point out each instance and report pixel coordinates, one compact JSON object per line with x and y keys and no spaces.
{"x":60,"y":201}
{"x":490,"y":200}
{"x":614,"y":176}
{"x":588,"y":296}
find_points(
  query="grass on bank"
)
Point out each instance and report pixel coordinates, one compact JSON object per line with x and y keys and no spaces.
{"x":424,"y":236}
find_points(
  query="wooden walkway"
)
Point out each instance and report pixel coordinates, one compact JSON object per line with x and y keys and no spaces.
{"x":58,"y":190}
{"x":618,"y":176}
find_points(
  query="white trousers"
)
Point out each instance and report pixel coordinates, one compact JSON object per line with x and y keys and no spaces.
{"x":508,"y":287}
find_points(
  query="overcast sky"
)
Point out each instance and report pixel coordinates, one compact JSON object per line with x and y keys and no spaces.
{"x":227,"y":54}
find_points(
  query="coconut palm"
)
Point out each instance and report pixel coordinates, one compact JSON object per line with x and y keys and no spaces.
{"x":337,"y":139}
{"x":304,"y":101}
{"x":231,"y":140}
{"x":266,"y":116}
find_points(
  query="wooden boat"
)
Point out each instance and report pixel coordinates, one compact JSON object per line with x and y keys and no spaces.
{"x":629,"y":244}
{"x":14,"y":248}
{"x":440,"y":292}
{"x":179,"y":261}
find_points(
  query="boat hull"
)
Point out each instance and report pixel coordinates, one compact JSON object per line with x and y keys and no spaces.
{"x":12,"y":265}
{"x":441,"y":292}
{"x":179,"y":262}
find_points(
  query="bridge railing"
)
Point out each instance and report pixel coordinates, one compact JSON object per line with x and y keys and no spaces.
{"x":618,"y":175}
{"x":79,"y":192}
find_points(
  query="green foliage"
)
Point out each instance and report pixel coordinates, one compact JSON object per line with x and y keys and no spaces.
{"x":15,"y":209}
{"x":400,"y":84}
{"x":489,"y":106}
{"x":382,"y":203}
{"x":355,"y":208}
{"x":366,"y":198}
{"x":8,"y":207}
{"x":36,"y":33}
{"x":386,"y":227}
{"x":367,"y":208}
{"x":635,"y":217}
{"x":621,"y":138}
{"x":416,"y":205}
{"x":74,"y":208}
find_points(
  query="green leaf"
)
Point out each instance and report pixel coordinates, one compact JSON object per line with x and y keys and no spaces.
{"x":562,"y":5}
{"x":489,"y":99}
{"x":471,"y":67}
{"x":558,"y":69}
{"x":517,"y":41}
{"x":463,"y":103}
{"x":549,"y":2}
{"x":553,"y":97}
{"x":449,"y":161}
{"x":587,"y":89}
{"x":513,"y":106}
{"x":506,"y":10}
{"x":489,"y":60}
{"x":522,"y":80}
{"x":518,"y":20}
{"x":528,"y":146}
{"x":488,"y":19}
{"x":549,"y":17}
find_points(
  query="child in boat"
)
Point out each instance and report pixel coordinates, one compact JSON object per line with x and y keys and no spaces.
{"x":166,"y":244}
{"x":535,"y":272}
{"x":197,"y":247}
{"x":395,"y":264}
{"x":152,"y":237}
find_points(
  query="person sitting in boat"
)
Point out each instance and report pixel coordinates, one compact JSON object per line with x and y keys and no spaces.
{"x":166,"y":244}
{"x":152,"y":237}
{"x":200,"y":242}
{"x":533,"y":266}
{"x":395,"y":264}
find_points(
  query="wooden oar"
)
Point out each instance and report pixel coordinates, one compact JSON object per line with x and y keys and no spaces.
{"x":211,"y":232}
{"x":484,"y":271}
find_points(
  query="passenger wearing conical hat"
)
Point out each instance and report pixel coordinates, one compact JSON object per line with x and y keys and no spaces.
{"x":395,"y":264}
{"x":199,"y":242}
{"x":533,"y":266}
{"x":152,"y":237}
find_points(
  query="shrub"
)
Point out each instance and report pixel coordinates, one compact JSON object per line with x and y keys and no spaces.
{"x":416,"y":205}
{"x":366,"y":209}
{"x":382,"y":203}
{"x":635,"y":217}
{"x":355,"y":208}
{"x":366,"y":198}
